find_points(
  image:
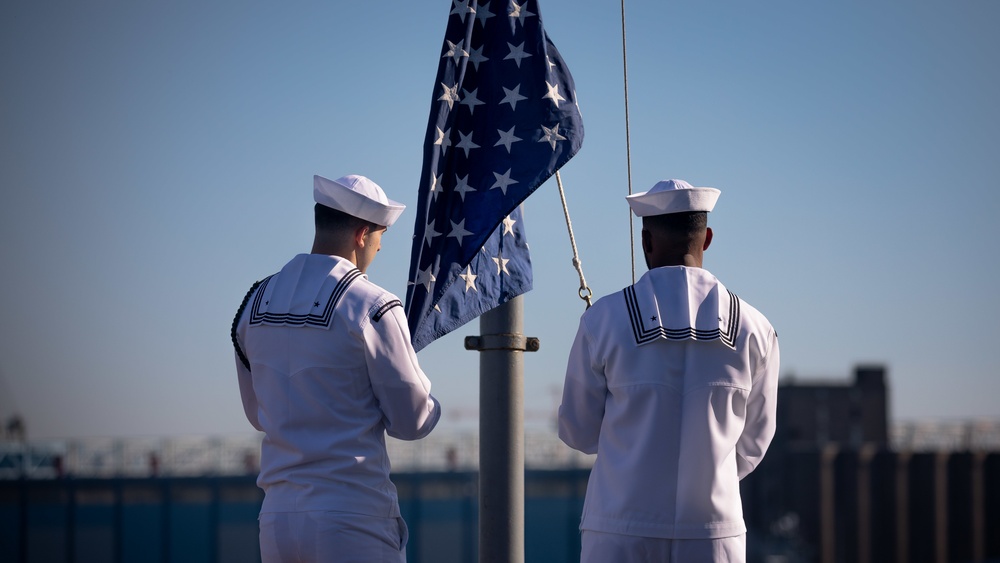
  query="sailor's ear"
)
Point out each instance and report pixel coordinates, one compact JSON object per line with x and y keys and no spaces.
{"x":647,"y":241}
{"x":359,"y":235}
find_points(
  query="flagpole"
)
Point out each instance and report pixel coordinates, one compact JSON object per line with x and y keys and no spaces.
{"x":501,"y":431}
{"x":452,"y":269}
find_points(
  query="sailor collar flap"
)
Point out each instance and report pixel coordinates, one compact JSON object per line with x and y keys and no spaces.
{"x":304,"y":293}
{"x":680,"y":303}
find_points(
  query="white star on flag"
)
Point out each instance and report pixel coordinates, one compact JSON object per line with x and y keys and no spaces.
{"x":470,"y":99}
{"x":517,"y":53}
{"x":506,"y":138}
{"x":553,"y":93}
{"x":435,"y":184}
{"x":462,"y":8}
{"x":501,"y":263}
{"x":503,"y":181}
{"x":508,"y":226}
{"x":483,"y":13}
{"x":458,"y":230}
{"x":450,"y":95}
{"x":466,"y":143}
{"x":462,"y":186}
{"x":426,"y":278}
{"x":470,"y":279}
{"x":444,"y":139}
{"x":512,"y":96}
{"x":551,"y":136}
{"x":476,"y":57}
{"x":430,"y":233}
{"x":519,"y":12}
{"x":455,"y":51}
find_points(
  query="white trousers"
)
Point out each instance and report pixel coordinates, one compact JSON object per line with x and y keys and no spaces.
{"x":599,"y":547}
{"x":331,"y":537}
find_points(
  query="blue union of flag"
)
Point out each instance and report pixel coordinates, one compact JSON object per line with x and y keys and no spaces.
{"x":503,"y":119}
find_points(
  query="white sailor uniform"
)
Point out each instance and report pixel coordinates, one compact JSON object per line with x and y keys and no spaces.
{"x":672,"y":382}
{"x":328,"y":371}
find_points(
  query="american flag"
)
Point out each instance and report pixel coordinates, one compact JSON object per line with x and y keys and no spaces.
{"x":503,"y":119}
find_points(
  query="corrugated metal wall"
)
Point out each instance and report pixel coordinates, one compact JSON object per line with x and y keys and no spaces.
{"x":828,"y":506}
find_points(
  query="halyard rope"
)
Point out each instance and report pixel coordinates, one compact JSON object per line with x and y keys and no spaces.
{"x":628,"y":148}
{"x":585,"y":293}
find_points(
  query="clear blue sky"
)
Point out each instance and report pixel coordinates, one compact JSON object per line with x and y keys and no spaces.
{"x":156,"y":158}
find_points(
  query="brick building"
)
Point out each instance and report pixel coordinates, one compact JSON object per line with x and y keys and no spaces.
{"x":847,"y":413}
